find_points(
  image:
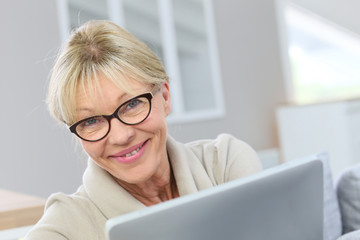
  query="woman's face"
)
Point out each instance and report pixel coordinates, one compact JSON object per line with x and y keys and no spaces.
{"x":131,"y":153}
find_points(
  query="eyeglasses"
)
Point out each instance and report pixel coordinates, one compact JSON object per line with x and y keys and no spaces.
{"x":131,"y":112}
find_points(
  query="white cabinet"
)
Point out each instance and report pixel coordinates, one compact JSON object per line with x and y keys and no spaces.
{"x":332,"y":127}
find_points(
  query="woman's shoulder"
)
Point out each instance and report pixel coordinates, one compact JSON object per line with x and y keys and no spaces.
{"x":68,"y":200}
{"x":223,"y":144}
{"x":225,"y":157}
{"x":221,"y":138}
{"x":67,"y":216}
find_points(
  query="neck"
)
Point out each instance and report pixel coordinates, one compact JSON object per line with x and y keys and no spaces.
{"x":156,"y":190}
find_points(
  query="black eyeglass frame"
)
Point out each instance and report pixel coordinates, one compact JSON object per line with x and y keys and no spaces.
{"x":148,"y":96}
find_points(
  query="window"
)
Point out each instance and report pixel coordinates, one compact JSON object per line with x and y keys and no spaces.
{"x":321,"y":57}
{"x":181,"y":33}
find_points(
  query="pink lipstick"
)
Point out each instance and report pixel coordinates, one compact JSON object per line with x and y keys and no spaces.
{"x":131,"y":154}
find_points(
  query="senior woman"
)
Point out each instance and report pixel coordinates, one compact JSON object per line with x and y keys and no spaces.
{"x":113,"y":93}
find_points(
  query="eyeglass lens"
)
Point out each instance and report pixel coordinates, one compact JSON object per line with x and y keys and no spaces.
{"x":131,"y":112}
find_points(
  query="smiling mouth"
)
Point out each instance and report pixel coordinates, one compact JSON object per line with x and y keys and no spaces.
{"x":133,"y":152}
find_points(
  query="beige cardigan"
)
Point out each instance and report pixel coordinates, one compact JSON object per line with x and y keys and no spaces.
{"x":197,"y":166}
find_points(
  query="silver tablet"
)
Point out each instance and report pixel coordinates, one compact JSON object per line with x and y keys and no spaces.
{"x":280,"y":203}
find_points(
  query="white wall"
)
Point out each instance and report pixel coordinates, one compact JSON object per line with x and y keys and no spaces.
{"x":36,"y":155}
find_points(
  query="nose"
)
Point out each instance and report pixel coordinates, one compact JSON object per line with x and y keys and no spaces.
{"x":120,"y":133}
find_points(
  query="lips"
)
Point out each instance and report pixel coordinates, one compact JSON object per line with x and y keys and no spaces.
{"x":131,"y":154}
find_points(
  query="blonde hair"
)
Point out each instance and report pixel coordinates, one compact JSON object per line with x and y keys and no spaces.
{"x":96,"y":48}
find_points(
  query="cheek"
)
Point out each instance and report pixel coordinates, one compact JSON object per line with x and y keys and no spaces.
{"x":154,"y":125}
{"x":160,"y":109}
{"x":94,"y":150}
{"x":157,"y":118}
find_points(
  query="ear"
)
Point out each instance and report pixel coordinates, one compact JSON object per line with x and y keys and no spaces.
{"x":165,"y":93}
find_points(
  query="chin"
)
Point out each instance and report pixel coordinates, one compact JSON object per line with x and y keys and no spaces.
{"x":134,"y":177}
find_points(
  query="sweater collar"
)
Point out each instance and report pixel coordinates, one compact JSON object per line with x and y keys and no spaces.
{"x":111,"y":199}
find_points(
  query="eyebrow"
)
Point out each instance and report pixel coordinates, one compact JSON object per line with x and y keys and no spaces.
{"x":90,"y":110}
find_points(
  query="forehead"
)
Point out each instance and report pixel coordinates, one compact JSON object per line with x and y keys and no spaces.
{"x":104,"y":96}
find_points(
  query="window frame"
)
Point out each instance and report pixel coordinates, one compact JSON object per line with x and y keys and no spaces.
{"x":171,"y":60}
{"x":336,"y":34}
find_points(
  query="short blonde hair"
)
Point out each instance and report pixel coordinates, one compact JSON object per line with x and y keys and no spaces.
{"x":99,"y":47}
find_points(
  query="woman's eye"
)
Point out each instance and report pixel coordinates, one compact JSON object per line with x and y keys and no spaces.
{"x":133,"y":104}
{"x":90,"y":122}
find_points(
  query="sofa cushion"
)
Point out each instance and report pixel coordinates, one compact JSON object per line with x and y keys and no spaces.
{"x":332,"y":219}
{"x":355,"y":235}
{"x":348,"y":192}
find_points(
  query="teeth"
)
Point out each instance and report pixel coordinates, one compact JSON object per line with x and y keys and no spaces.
{"x":133,"y":152}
